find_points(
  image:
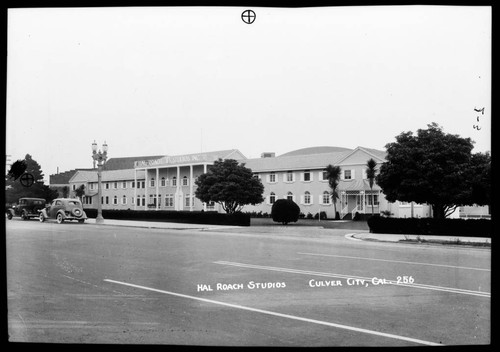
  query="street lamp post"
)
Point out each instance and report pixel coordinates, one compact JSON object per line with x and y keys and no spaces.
{"x":100,"y":157}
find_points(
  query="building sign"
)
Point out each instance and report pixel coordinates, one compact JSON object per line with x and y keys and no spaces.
{"x":176,"y":160}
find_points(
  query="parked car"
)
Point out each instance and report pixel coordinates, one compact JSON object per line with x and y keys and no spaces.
{"x":26,"y":208}
{"x":63,"y":209}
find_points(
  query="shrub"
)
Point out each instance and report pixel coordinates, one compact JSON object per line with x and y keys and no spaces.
{"x":285,"y":211}
{"x":322,"y":214}
{"x":309,"y":216}
{"x":193,"y":217}
{"x":430,"y":226}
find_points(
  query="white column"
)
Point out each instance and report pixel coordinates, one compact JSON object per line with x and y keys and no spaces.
{"x":204,"y":171}
{"x":146,"y":189}
{"x":135,"y":189}
{"x":177,"y":204}
{"x":157,"y":186}
{"x":191,"y":198}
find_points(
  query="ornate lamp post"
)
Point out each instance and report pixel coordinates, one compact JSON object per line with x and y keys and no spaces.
{"x":100,"y":157}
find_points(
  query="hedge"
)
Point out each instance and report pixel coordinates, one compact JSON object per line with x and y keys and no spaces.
{"x":431,"y":226}
{"x":192,"y":217}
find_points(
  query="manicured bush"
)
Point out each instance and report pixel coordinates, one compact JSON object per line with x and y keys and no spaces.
{"x":323,"y":216}
{"x":285,"y":211}
{"x":431,"y":226}
{"x":192,"y":217}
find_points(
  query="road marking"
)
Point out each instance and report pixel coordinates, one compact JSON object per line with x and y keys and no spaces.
{"x":294,"y":317}
{"x":391,"y":282}
{"x":394,"y":261}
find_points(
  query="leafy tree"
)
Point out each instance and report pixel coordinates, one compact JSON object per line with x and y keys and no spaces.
{"x":80,"y":191}
{"x":285,"y":211}
{"x":15,"y":190}
{"x":333,"y":176}
{"x":231,"y":185}
{"x":370,"y":175}
{"x":435,"y":168}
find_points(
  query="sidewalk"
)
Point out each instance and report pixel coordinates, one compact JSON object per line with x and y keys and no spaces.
{"x":421,"y":238}
{"x":159,"y":225}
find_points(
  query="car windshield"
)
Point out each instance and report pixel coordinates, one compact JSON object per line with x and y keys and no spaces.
{"x":72,"y":202}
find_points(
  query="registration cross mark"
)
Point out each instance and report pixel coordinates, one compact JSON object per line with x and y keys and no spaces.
{"x":248,"y":16}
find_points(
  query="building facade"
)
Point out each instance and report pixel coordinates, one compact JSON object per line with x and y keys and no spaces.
{"x":168,"y":182}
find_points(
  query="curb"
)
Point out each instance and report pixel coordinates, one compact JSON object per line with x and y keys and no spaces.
{"x":445,"y":242}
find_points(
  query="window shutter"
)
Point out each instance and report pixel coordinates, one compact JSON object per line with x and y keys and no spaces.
{"x":320,"y":197}
{"x":311,"y":199}
{"x":364,"y":175}
{"x":268,"y":200}
{"x":302,"y":176}
{"x":342,"y":176}
{"x":301,"y":199}
{"x":311,"y":176}
{"x":353,"y":174}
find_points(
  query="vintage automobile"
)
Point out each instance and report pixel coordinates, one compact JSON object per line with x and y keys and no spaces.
{"x":63,"y":209}
{"x":26,"y":208}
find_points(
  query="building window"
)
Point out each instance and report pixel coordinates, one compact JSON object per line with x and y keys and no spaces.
{"x":174,"y":181}
{"x":372,"y":199}
{"x":324,"y":176}
{"x":91,"y":186}
{"x":107,"y":185}
{"x":307,"y":198}
{"x":188,"y":198}
{"x":289,"y":176}
{"x":163,"y":182}
{"x":326,"y":197}
{"x":143,"y":200}
{"x":152,"y":201}
{"x":124,"y":184}
{"x":159,"y":200}
{"x":272,"y":177}
{"x":107,"y":200}
{"x":347,"y":174}
{"x":132,"y":200}
{"x":143,"y":184}
{"x":211,"y":205}
{"x":185,"y":181}
{"x":289,"y":196}
{"x":124,"y":200}
{"x":307,"y":175}
{"x":272,"y":198}
{"x":138,"y":200}
{"x":169,"y":200}
{"x":115,"y":185}
{"x":115,"y":200}
{"x":152,"y":182}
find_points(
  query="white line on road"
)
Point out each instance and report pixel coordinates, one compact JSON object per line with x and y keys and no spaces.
{"x":391,"y":282}
{"x":294,"y":317}
{"x":394,"y":261}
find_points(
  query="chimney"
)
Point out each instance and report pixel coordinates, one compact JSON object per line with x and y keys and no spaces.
{"x":268,"y":155}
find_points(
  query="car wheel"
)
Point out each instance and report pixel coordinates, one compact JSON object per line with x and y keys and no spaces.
{"x":59,"y":218}
{"x":81,"y":221}
{"x":41,"y":218}
{"x":9,"y":216}
{"x":24,"y":215}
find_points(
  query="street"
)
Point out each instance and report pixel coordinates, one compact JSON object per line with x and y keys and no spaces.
{"x":254,"y":286}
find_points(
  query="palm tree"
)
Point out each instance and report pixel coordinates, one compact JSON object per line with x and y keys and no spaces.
{"x":370,"y":175}
{"x":333,"y":176}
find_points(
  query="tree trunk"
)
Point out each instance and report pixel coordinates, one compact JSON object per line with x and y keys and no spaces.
{"x":438,"y":211}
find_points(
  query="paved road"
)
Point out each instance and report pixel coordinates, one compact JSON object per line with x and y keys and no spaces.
{"x":278,"y":286}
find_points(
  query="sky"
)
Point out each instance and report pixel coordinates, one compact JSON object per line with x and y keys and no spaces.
{"x":176,"y":80}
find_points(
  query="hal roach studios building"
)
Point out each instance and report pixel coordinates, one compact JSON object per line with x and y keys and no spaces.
{"x":153,"y":183}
